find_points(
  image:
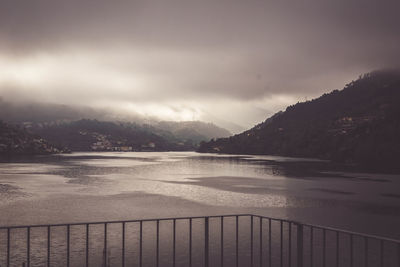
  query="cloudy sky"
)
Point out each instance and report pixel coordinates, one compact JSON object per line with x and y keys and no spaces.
{"x":221,"y":61}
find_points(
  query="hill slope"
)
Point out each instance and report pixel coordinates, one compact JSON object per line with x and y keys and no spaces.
{"x":196,"y":131}
{"x":14,"y":140}
{"x":359,"y":124}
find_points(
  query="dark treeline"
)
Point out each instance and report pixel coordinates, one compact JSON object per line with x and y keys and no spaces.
{"x":16,"y":140}
{"x":89,"y":135}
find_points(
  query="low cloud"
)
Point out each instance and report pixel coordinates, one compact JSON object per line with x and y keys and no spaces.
{"x":238,"y":61}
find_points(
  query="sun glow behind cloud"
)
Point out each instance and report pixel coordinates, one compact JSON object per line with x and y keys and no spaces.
{"x":26,"y":71}
{"x":146,"y":83}
{"x":45,"y":74}
{"x":167,"y":111}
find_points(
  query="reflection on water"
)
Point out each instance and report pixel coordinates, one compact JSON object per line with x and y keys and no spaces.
{"x":82,"y":187}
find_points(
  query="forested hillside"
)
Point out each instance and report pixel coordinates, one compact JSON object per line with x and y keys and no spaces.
{"x":359,"y":124}
{"x":17,"y":141}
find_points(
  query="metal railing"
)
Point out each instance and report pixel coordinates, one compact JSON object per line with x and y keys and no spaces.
{"x":225,"y":240}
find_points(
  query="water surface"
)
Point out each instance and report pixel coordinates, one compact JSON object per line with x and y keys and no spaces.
{"x":81,"y":187}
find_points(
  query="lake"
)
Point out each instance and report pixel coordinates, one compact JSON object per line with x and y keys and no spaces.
{"x":84,"y":187}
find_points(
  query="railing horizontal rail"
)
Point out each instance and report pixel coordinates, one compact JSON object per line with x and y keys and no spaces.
{"x":129,"y":221}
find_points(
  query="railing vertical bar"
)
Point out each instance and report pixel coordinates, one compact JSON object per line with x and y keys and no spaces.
{"x":300,"y":244}
{"x":206,"y":241}
{"x":105,"y":246}
{"x":174,"y":243}
{"x":87,"y":245}
{"x":261,"y":241}
{"x":158,"y":244}
{"x":337,"y":249}
{"x":269,"y":243}
{"x":68,"y":243}
{"x":28,"y":246}
{"x":141,"y":244}
{"x":237,"y":241}
{"x":251,"y":241}
{"x":281,"y":243}
{"x":311,"y":246}
{"x":323,"y":247}
{"x":398,"y":254}
{"x":8,"y":247}
{"x":366,"y":251}
{"x":48,"y":246}
{"x":123,"y":244}
{"x":190,"y":241}
{"x":351,"y":251}
{"x":382,"y":251}
{"x":222,"y":241}
{"x":290,"y":244}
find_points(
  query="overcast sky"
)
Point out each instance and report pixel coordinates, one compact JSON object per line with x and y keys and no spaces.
{"x":238,"y":61}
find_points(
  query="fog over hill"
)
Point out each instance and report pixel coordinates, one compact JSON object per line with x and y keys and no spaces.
{"x":82,"y":128}
{"x":25,"y":111}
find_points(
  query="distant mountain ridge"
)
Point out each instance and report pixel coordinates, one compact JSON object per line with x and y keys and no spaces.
{"x":94,"y":135}
{"x":85,"y":129}
{"x":359,"y":124}
{"x":193,"y":130}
